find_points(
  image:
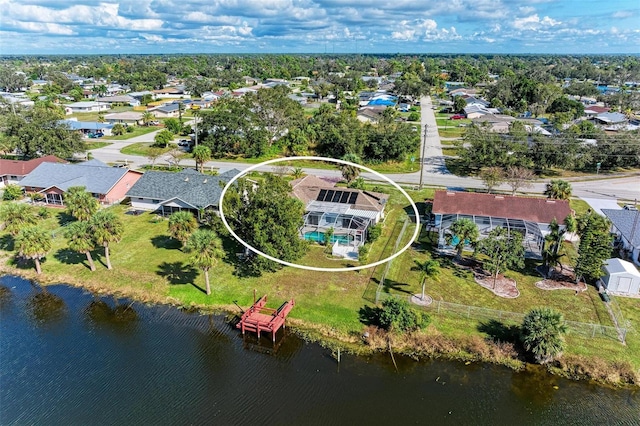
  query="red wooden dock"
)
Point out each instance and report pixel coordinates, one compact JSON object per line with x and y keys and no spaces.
{"x":259,"y":318}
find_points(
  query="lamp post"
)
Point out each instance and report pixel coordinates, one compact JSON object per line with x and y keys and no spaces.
{"x":424,"y":146}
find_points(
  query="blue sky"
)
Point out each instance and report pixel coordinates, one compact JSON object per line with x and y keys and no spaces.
{"x":319,"y":26}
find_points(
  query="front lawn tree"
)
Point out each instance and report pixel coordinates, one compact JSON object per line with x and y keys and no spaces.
{"x":266,"y":217}
{"x":162,"y":138}
{"x":504,"y":251}
{"x":462,"y":232}
{"x":80,"y":203}
{"x":80,"y":238}
{"x":181,"y":225}
{"x":518,"y":177}
{"x":34,"y":243}
{"x":350,"y":173}
{"x":558,"y":189}
{"x":206,"y":249}
{"x":491,"y":177}
{"x":542,"y":334}
{"x":107,"y":228}
{"x":595,"y":246}
{"x":201,"y":154}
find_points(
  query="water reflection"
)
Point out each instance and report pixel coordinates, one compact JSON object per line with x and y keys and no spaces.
{"x":46,"y":309}
{"x":534,"y":385}
{"x":121,"y":317}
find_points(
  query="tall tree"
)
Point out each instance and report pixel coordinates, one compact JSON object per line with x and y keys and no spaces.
{"x":206,"y":247}
{"x":34,"y":243}
{"x":542,"y":334}
{"x":17,"y":216}
{"x":147,"y":118}
{"x":40,"y":131}
{"x":462,"y":232}
{"x":268,"y":219}
{"x":492,"y":177}
{"x":349,"y":173}
{"x":558,"y":189}
{"x":429,"y":269}
{"x":518,"y":177}
{"x":80,"y":203}
{"x":80,"y":239}
{"x":552,"y":243}
{"x":503,"y":250}
{"x":181,"y":225}
{"x":595,"y":246}
{"x":107,"y":228}
{"x":201,"y":154}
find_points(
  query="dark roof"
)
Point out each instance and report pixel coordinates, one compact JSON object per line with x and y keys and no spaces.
{"x":539,"y":210}
{"x":95,"y":176}
{"x":190,"y":186}
{"x":311,"y":188}
{"x":624,"y":220}
{"x":22,"y":168}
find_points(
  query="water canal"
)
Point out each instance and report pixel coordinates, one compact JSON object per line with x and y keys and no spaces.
{"x":71,"y":358}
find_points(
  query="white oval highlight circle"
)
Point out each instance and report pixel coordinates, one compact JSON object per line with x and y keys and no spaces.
{"x":314,"y":268}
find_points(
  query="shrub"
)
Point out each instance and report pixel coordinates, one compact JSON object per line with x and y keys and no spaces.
{"x":363,"y":253}
{"x":374,"y":233}
{"x":43,"y":213}
{"x":130,"y":129}
{"x":396,"y":315}
{"x":414,"y":116}
{"x":12,"y":192}
{"x":542,"y":334}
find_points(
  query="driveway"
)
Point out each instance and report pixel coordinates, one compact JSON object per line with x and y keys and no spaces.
{"x":597,"y":204}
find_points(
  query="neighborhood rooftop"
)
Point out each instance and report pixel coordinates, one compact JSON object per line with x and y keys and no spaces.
{"x":540,"y":210}
{"x":311,"y":189}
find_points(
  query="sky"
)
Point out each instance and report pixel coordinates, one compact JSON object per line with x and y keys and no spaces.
{"x":319,"y":26}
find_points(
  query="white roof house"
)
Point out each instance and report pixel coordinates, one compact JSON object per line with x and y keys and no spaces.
{"x":88,"y":106}
{"x":621,"y":278}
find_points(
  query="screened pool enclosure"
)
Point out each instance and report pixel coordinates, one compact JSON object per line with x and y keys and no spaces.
{"x":349,"y":225}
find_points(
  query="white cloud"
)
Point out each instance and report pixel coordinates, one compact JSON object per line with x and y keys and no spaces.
{"x":423,"y":29}
{"x":533,"y":22}
{"x":621,"y":14}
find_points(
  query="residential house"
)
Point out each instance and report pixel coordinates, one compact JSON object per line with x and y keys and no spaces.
{"x":166,"y":110}
{"x":625,"y":224}
{"x":611,"y":120}
{"x":120,"y":100}
{"x":187,"y":190}
{"x":89,"y":128}
{"x":127,"y":117}
{"x":87,"y":106}
{"x":594,"y":110}
{"x":476,"y":111}
{"x":370,"y":114}
{"x":527,"y":215}
{"x":13,"y":171}
{"x":350,"y":212}
{"x":108,"y":185}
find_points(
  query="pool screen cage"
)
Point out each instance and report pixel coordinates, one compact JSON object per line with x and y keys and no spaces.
{"x":344,"y":225}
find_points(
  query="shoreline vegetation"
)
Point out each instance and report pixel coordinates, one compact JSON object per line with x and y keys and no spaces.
{"x":426,"y":344}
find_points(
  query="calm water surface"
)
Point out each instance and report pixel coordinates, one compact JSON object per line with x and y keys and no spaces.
{"x":68,"y":357}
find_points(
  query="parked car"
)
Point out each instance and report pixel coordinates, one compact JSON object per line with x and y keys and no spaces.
{"x":183,"y":142}
{"x":456,"y":117}
{"x":630,"y":207}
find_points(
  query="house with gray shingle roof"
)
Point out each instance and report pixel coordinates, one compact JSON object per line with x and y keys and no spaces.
{"x":108,"y":185}
{"x":625,"y":224}
{"x":186,"y":190}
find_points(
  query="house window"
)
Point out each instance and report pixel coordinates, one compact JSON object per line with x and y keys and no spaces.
{"x":155,"y":201}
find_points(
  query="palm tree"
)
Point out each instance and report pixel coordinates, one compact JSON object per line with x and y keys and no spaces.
{"x":465,"y":231}
{"x":33,"y":242}
{"x":101,"y":118}
{"x":17,"y":216}
{"x":201,"y":154}
{"x":79,"y":235}
{"x":552,"y":243}
{"x":206,"y":247}
{"x":181,"y":225}
{"x":428,"y":269}
{"x":297,"y":173}
{"x":558,"y":189}
{"x":147,"y":117}
{"x":80,"y":203}
{"x":107,"y":228}
{"x":542,"y":332}
{"x":349,"y":173}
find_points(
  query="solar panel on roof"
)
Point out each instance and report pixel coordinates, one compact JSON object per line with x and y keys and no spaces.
{"x":353,"y":197}
{"x":344,"y":198}
{"x":329,"y":196}
{"x":321,"y":195}
{"x":336,"y":197}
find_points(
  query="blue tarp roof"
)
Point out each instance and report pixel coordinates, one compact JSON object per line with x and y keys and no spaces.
{"x":87,"y":125}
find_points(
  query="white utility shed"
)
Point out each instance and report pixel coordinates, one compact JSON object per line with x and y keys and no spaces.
{"x":621,"y":277}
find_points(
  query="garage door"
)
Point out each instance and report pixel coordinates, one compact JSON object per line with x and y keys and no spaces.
{"x":624,"y":285}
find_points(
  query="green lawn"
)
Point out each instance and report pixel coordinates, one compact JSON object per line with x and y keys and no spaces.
{"x":93,"y":116}
{"x":91,"y":144}
{"x":142,"y":148}
{"x":137,"y":131}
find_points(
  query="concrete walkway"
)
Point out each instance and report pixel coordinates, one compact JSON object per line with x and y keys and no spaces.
{"x":597,"y":204}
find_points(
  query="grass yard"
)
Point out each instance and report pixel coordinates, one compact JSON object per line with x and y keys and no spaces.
{"x":137,"y":131}
{"x":95,"y":145}
{"x":93,"y":116}
{"x":142,"y":148}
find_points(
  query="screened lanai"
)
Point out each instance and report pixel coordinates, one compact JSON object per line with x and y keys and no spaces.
{"x":349,"y":225}
{"x":533,"y":235}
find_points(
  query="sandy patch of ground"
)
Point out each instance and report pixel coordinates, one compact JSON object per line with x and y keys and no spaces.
{"x":501,"y":286}
{"x":560,"y":280}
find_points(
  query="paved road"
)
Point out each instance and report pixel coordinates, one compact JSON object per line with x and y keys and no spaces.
{"x":435,"y":172}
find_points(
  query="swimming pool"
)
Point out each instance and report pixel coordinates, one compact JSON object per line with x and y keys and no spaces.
{"x":318,"y":237}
